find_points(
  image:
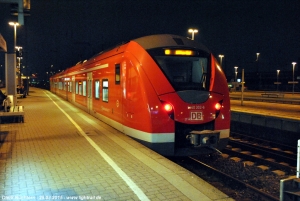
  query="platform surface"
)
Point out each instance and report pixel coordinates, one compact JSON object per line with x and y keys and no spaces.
{"x":62,"y":153}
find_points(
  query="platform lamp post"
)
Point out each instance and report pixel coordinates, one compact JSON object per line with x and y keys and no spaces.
{"x":293,"y":63}
{"x":221,"y":58}
{"x":257,"y":55}
{"x":11,"y":67}
{"x":257,"y":70}
{"x":235,"y":70}
{"x":278,"y":71}
{"x":193,"y":31}
{"x":14,"y":24}
{"x":19,"y":57}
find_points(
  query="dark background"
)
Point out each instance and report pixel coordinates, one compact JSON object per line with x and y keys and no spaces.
{"x":59,"y":33}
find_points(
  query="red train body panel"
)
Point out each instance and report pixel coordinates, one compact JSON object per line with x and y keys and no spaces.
{"x":166,"y":91}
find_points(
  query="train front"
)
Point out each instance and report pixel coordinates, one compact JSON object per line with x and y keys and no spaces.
{"x":199,"y":101}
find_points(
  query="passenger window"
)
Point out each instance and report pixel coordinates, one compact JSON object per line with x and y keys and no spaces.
{"x":70,"y":86}
{"x":117,"y":73}
{"x":80,"y":88}
{"x":76,"y":88}
{"x":105,"y":90}
{"x":84,"y":88}
{"x":97,"y":89}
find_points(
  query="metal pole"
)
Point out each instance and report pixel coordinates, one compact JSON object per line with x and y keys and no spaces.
{"x":277,"y":78}
{"x":298,"y":158}
{"x":293,"y":79}
{"x":242,"y":99}
{"x":293,"y":63}
{"x":10,"y":67}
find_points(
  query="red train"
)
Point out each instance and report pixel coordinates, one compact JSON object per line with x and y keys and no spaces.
{"x":166,"y":91}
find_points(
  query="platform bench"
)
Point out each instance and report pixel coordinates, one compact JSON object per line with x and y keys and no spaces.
{"x":272,"y":95}
{"x":20,"y":95}
{"x":14,"y":111}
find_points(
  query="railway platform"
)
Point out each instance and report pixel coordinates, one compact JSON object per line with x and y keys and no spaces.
{"x":62,"y":153}
{"x":275,"y":119}
{"x":287,"y":107}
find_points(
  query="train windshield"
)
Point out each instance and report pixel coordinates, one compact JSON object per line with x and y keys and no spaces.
{"x":185,"y":72}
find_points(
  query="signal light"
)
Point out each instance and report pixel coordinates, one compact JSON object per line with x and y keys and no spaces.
{"x":168,"y":107}
{"x":218,"y":106}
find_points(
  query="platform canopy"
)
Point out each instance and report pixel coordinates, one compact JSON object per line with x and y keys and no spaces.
{"x":3,"y":47}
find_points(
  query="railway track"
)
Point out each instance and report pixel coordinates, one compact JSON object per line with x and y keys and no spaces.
{"x":235,"y":180}
{"x":254,"y":191}
{"x":248,"y":169}
{"x":273,"y":155}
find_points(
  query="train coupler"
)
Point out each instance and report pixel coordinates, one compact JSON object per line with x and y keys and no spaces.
{"x":205,"y":138}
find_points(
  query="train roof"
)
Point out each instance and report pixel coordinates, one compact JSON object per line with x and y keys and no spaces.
{"x":168,"y":40}
{"x":162,"y":40}
{"x":157,"y":41}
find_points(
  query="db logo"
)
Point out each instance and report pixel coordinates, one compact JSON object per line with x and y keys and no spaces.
{"x":196,"y":116}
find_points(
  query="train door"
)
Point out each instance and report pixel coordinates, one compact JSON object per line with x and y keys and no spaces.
{"x":67,"y":84}
{"x":130,"y":84}
{"x":89,"y":92}
{"x":117,"y":97}
{"x":73,"y":88}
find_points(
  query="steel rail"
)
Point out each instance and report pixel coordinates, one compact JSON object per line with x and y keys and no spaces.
{"x":256,"y":190}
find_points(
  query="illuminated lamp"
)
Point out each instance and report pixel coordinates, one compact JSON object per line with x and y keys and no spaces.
{"x":168,"y":107}
{"x":183,"y":52}
{"x":167,"y":52}
{"x":218,"y":106}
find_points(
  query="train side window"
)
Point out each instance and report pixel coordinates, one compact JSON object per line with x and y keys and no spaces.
{"x":80,"y":88}
{"x":70,"y":86}
{"x":97,"y":89}
{"x":76,"y":88}
{"x":105,"y":90}
{"x":117,"y":73}
{"x":84,"y":88}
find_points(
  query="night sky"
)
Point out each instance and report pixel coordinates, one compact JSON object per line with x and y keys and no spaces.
{"x":60,"y":33}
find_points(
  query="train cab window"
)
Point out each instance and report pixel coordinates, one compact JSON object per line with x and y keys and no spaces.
{"x":97,"y":89}
{"x":117,"y":73}
{"x":105,"y":90}
{"x":184,"y":71}
{"x":84,"y":88}
{"x":76,"y":88}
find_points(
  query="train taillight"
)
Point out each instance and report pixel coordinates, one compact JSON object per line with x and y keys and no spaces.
{"x":168,"y":107}
{"x":218,"y":106}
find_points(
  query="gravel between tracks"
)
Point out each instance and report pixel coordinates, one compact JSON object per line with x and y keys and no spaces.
{"x":264,"y":180}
